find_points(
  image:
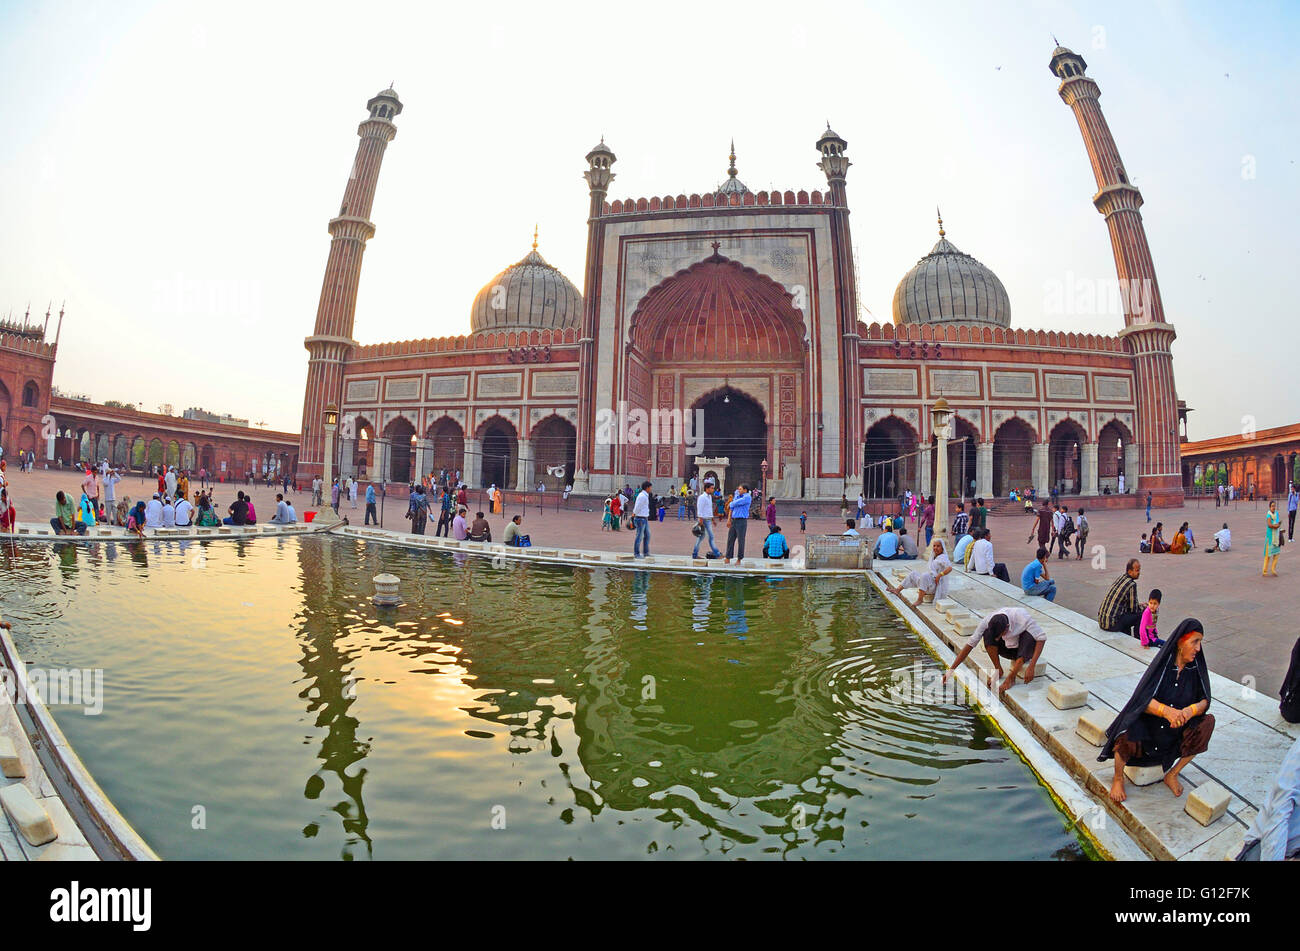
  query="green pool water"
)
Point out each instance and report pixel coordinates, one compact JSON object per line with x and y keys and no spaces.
{"x":256,"y":705}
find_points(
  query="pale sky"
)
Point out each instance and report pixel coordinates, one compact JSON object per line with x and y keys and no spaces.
{"x":169,"y":169}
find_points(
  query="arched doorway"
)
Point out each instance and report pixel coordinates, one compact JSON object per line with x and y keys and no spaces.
{"x":361,"y":448}
{"x":139,"y":452}
{"x":735,"y":426}
{"x":1013,"y":457}
{"x":401,"y":438}
{"x":889,"y":459}
{"x":121,"y":451}
{"x":961,"y":459}
{"x":448,"y":441}
{"x":499,"y":444}
{"x":101,"y":448}
{"x":555,"y":443}
{"x":1279,"y":476}
{"x":189,"y":456}
{"x":156,"y":452}
{"x":1065,"y":457}
{"x":85,"y":446}
{"x":1111,"y":441}
{"x":27,"y":440}
{"x":5,"y":406}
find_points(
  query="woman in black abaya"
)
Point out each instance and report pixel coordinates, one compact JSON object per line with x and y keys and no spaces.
{"x":1165,"y":722}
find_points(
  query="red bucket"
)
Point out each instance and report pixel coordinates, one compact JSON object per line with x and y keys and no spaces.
{"x":308,"y":516}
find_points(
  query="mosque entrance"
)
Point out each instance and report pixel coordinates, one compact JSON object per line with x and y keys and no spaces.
{"x":735,"y":426}
{"x":499,"y":448}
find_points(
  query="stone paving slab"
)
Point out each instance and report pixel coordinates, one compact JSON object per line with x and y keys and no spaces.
{"x":1249,"y":742}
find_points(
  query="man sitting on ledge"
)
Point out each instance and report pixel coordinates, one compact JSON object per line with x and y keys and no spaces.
{"x":1010,"y":633}
{"x":480,"y":530}
{"x":284,"y":513}
{"x":513,"y":536}
{"x":1222,"y":540}
{"x":887,"y":547}
{"x":1035,"y":579}
{"x":775,"y":546}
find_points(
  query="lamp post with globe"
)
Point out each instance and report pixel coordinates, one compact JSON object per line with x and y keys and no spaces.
{"x":941,"y":415}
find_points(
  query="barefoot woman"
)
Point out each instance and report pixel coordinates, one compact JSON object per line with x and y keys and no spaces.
{"x":1165,"y":722}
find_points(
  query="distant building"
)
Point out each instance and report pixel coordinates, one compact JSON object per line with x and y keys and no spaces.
{"x":224,"y":419}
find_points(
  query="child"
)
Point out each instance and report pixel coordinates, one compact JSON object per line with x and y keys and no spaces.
{"x":661,"y":511}
{"x":607,"y":521}
{"x":1144,"y":546}
{"x":1147,"y":627}
{"x":803,"y":521}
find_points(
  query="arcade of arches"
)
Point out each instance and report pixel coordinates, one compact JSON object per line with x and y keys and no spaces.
{"x":1263,"y":464}
{"x":893,"y":460}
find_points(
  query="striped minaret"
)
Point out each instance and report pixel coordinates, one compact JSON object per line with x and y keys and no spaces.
{"x":332,"y":340}
{"x":1145,"y":332}
{"x":599,"y":173}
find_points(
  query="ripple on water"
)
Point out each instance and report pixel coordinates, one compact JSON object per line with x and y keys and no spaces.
{"x":530,"y":712}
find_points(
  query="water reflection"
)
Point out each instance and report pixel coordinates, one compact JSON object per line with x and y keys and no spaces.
{"x":610,"y":713}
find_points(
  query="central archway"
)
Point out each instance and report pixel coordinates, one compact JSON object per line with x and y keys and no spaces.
{"x":735,"y":426}
{"x":889,"y":459}
{"x":499,"y":445}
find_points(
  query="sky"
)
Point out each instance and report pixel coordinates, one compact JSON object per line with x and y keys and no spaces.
{"x":168,"y":169}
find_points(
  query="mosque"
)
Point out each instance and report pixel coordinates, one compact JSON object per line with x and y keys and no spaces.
{"x":734,"y":313}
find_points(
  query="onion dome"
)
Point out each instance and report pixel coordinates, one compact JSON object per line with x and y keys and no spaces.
{"x":948,"y":286}
{"x":528,"y":295}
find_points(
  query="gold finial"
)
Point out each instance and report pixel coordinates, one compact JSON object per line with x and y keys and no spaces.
{"x":731,"y":170}
{"x":940,"y":216}
{"x":534,"y":237}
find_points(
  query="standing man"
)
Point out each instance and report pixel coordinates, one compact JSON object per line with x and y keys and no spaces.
{"x":641,"y":522}
{"x":927,"y":519}
{"x":444,"y":518}
{"x":1292,"y":500}
{"x":960,"y":521}
{"x":334,"y":496}
{"x":1042,"y":525}
{"x":1119,"y":610}
{"x":370,"y":504}
{"x":704,"y":513}
{"x":1148,"y":505}
{"x":111,"y":479}
{"x":739,"y":523}
{"x":1121,"y":483}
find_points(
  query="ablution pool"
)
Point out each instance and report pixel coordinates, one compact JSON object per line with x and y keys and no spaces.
{"x":258,"y":706}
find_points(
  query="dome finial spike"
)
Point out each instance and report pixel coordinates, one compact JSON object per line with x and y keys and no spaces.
{"x":731,"y":169}
{"x":939,"y":215}
{"x":534,"y":237}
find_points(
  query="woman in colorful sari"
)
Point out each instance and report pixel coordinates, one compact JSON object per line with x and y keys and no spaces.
{"x":1272,"y":540}
{"x":1158,"y":544}
{"x":931,"y":584}
{"x":135,"y":521}
{"x":1165,"y":722}
{"x":8,"y":514}
{"x":1179,"y":545}
{"x":607,"y":520}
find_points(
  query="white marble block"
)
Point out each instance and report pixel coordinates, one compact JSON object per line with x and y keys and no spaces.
{"x":1067,"y":694}
{"x":965,"y":628}
{"x":10,"y":765}
{"x":1144,"y":775}
{"x":945,"y":605}
{"x":28,"y":816}
{"x":1208,"y":802}
{"x":1092,"y":726}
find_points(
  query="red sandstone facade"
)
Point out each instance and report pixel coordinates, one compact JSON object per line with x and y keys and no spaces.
{"x":741,"y":306}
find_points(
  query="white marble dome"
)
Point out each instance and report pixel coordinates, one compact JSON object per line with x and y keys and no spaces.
{"x":948,"y":286}
{"x":528,"y":295}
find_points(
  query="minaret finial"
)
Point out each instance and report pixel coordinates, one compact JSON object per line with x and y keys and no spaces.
{"x":534,"y":237}
{"x":939,"y":214}
{"x":1055,"y":40}
{"x":731,"y":169}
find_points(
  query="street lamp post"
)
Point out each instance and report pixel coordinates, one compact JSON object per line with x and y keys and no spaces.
{"x":763,"y":467}
{"x":941,"y":414}
{"x":327,"y":513}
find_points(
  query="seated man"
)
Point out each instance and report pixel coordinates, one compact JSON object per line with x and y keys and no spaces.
{"x":459,"y":528}
{"x":852,"y":528}
{"x":775,"y":546}
{"x":238,"y":510}
{"x":480,"y":530}
{"x":153,"y":512}
{"x":1165,"y":722}
{"x":1274,"y":834}
{"x":65,"y":518}
{"x":513,"y":536}
{"x":284,"y":513}
{"x":184,"y":512}
{"x":168,"y":513}
{"x":981,"y":558}
{"x":907,"y":543}
{"x":1010,"y":633}
{"x":1119,"y":611}
{"x":1222,"y":540}
{"x":1035,"y":580}
{"x":887,"y":547}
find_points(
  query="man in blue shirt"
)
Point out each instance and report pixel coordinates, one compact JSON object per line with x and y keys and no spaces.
{"x":886,"y":546}
{"x":775,"y":546}
{"x":448,"y":510}
{"x":1292,"y":501}
{"x":959,"y":550}
{"x":738,"y":523}
{"x":1035,"y":579}
{"x":370,"y":504}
